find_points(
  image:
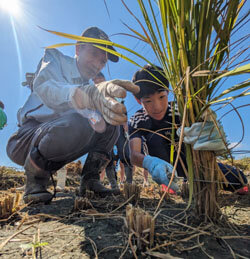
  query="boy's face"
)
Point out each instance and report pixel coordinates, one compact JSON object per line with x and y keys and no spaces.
{"x":156,"y":104}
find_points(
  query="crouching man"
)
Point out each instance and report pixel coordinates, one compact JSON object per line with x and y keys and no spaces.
{"x":65,"y":117}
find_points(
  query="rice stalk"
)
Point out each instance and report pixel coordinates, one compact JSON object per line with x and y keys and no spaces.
{"x":82,"y":204}
{"x":132,"y":192}
{"x":9,"y":203}
{"x":142,"y":225}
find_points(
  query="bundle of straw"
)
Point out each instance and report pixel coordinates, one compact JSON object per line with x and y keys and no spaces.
{"x":142,"y":225}
{"x":82,"y":204}
{"x":132,"y":190}
{"x":9,"y":203}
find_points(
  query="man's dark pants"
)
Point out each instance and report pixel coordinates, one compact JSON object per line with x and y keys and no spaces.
{"x":57,"y":142}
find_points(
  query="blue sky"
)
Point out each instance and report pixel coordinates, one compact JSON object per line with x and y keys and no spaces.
{"x":22,"y":45}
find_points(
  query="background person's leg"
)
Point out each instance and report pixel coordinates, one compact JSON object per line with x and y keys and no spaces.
{"x":128,"y":172}
{"x":111,"y":174}
{"x":145,"y":174}
{"x":122,"y":173}
{"x":102,"y":175}
{"x":123,"y":150}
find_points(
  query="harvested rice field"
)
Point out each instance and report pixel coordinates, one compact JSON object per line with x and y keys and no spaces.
{"x":132,"y":225}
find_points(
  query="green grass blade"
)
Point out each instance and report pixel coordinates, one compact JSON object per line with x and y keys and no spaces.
{"x":237,"y":71}
{"x":231,"y":97}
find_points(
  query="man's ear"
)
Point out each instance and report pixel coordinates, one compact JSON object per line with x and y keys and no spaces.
{"x":78,"y":48}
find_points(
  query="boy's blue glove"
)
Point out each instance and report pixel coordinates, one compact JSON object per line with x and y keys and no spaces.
{"x":3,"y":118}
{"x":160,"y":171}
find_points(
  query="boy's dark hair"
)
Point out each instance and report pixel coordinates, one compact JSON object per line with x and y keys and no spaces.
{"x":147,"y":83}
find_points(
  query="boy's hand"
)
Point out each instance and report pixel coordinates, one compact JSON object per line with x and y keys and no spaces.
{"x":160,"y":171}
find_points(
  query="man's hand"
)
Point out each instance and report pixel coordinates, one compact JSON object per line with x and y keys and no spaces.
{"x":160,"y":171}
{"x":205,"y":136}
{"x":102,"y":98}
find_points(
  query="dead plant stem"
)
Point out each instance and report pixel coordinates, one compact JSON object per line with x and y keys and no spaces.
{"x":15,"y":234}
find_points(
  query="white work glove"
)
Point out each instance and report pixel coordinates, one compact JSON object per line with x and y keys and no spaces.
{"x":204,"y":136}
{"x":102,"y":98}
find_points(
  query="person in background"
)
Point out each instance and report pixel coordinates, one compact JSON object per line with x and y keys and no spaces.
{"x":3,"y":116}
{"x":124,"y":155}
{"x":120,"y":152}
{"x":145,"y":174}
{"x":57,"y":124}
{"x":99,"y":78}
{"x":110,"y":168}
{"x":122,"y":148}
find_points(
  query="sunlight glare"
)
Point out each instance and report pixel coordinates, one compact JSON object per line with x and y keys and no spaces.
{"x":10,"y":6}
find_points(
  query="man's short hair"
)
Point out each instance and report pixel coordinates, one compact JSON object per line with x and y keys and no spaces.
{"x":94,"y":32}
{"x":147,"y":83}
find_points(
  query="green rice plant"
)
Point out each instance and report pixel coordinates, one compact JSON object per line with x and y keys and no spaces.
{"x":193,"y":42}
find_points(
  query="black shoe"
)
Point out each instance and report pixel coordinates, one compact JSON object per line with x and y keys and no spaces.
{"x":40,"y":197}
{"x":96,"y":186}
{"x":36,"y":184}
{"x":90,"y":179}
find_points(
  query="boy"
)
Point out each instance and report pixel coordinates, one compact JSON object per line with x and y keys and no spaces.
{"x":156,"y":116}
